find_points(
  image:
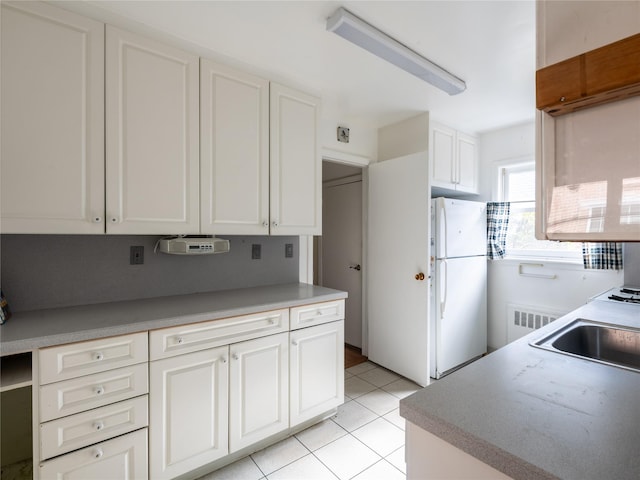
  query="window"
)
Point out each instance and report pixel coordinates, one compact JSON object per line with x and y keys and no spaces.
{"x":517,"y":185}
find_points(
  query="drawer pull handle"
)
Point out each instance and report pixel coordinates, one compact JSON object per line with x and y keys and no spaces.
{"x":97,"y":453}
{"x":98,"y":356}
{"x":179,"y":340}
{"x":99,"y":390}
{"x":98,"y":426}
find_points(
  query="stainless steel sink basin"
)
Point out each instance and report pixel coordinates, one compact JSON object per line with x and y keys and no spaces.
{"x":596,"y":341}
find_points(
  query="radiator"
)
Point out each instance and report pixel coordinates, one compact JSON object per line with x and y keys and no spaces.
{"x":523,"y":319}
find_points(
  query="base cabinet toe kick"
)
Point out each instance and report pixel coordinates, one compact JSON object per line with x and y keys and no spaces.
{"x":122,"y":407}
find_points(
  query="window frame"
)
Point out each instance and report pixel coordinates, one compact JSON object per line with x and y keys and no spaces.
{"x":519,"y":165}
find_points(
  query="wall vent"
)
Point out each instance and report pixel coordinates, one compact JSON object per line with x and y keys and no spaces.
{"x":524,"y":319}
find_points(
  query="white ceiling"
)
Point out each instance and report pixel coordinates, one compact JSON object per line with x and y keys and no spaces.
{"x":489,"y":44}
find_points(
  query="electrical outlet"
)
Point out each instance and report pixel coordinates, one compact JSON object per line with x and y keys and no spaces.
{"x":288,"y":250}
{"x":136,"y":255}
{"x":256,"y":251}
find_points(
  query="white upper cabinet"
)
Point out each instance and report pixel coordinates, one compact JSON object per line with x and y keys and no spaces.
{"x":453,"y":158}
{"x":152,"y":152}
{"x":52,"y":121}
{"x":234,"y":151}
{"x":296,"y":169}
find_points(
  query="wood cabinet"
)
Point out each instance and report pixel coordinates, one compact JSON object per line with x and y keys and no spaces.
{"x":234,"y":151}
{"x":453,"y":159}
{"x":606,"y":74}
{"x":258,"y":390}
{"x":317,"y":370}
{"x":152,"y":164}
{"x":188,"y":412}
{"x":587,"y":158}
{"x":295,"y":170}
{"x":52,"y":157}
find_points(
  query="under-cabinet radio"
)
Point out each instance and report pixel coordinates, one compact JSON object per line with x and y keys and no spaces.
{"x":193,"y":245}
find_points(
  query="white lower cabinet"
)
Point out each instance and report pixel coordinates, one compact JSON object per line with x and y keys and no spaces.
{"x":317,"y":371}
{"x":188,"y":412}
{"x":259,"y":390}
{"x":121,"y":457}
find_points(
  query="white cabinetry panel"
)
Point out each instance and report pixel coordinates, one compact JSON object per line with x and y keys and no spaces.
{"x":152,"y":154}
{"x":296,"y":169}
{"x":52,"y":155}
{"x":188,"y":412}
{"x":317,"y":370}
{"x":121,"y":457}
{"x":258,"y":389}
{"x":453,"y":158}
{"x":234,"y":151}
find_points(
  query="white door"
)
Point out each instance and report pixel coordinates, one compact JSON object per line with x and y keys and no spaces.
{"x":234,"y":151}
{"x":398,"y":253}
{"x":258,"y":389}
{"x":296,"y":165}
{"x":442,"y":152}
{"x":121,"y":457}
{"x":467,"y":154}
{"x":317,"y":370}
{"x":152,"y":156}
{"x":188,"y":417}
{"x":342,"y":250}
{"x":461,"y":311}
{"x":52,"y":158}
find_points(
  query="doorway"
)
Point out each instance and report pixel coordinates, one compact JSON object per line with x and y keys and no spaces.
{"x":339,"y":250}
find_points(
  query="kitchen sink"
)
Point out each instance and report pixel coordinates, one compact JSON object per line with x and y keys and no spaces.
{"x":600,"y":342}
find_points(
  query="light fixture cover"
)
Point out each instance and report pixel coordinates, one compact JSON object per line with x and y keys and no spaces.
{"x":359,"y":32}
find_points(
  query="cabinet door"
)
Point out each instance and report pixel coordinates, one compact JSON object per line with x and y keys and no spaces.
{"x":188,"y":412}
{"x":121,"y":457}
{"x":258,"y":389}
{"x":467,"y":179}
{"x":152,"y":164}
{"x":296,"y":166}
{"x":317,"y":371}
{"x":442,"y":148}
{"x":234,"y":151}
{"x":52,"y":155}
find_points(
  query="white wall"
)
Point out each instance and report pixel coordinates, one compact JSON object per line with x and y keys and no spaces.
{"x":572,"y":286}
{"x":363,"y":140}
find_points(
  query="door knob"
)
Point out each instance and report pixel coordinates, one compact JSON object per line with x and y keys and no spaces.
{"x":420,"y":276}
{"x":355,"y":267}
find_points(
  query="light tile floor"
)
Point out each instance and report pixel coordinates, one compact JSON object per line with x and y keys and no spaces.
{"x":363,"y":441}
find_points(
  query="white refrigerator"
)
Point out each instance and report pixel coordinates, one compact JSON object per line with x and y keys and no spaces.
{"x":458,"y":285}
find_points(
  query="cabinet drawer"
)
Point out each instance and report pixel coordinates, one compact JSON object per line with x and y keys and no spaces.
{"x":121,"y":457}
{"x":80,"y":394}
{"x":97,"y":425}
{"x":83,"y":358}
{"x":316,"y":313}
{"x":168,"y":342}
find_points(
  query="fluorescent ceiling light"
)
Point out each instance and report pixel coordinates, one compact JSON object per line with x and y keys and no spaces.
{"x":359,"y":32}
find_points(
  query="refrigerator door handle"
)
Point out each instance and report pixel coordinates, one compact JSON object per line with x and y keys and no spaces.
{"x":443,"y":210}
{"x":443,"y":301}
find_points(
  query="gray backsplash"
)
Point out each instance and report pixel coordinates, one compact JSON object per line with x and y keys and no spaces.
{"x":632,"y":264}
{"x":44,"y":271}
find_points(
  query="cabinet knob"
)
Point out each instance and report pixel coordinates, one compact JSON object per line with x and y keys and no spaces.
{"x":97,"y":219}
{"x":98,"y":356}
{"x":265,"y":224}
{"x":223,"y":359}
{"x":99,"y":390}
{"x":272,"y":321}
{"x":114,"y":220}
{"x":235,"y":356}
{"x":179,"y":340}
{"x":275,"y":223}
{"x":294,"y":343}
{"x":98,"y":426}
{"x":97,"y":453}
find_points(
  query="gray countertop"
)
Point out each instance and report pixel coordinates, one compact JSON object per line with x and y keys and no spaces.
{"x":532,"y":413}
{"x":29,"y":330}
